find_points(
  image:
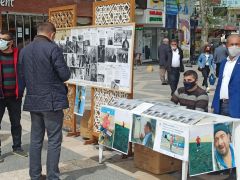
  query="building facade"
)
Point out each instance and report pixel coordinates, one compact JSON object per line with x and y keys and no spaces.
{"x":21,"y":17}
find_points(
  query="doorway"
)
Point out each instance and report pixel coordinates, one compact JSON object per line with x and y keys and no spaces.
{"x":22,"y":26}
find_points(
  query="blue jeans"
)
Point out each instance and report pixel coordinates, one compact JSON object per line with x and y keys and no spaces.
{"x":52,"y":121}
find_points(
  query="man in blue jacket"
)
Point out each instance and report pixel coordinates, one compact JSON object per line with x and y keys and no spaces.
{"x":44,"y":71}
{"x":227,"y":95}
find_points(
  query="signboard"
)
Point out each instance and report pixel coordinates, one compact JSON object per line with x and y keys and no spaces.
{"x":230,"y":3}
{"x":155,"y":4}
{"x":151,"y":16}
{"x":99,"y":56}
{"x":6,"y":3}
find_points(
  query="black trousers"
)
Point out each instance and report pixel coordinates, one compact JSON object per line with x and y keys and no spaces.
{"x":173,"y":78}
{"x":217,"y":69}
{"x":205,"y":73}
{"x":13,"y":106}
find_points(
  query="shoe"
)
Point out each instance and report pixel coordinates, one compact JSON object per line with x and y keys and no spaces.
{"x":21,"y":153}
{"x":43,"y":177}
{"x":1,"y":159}
{"x":207,"y":89}
{"x":164,"y":83}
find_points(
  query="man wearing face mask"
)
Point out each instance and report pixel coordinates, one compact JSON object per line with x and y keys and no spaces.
{"x":174,"y":65}
{"x":227,"y":94}
{"x":44,"y":71}
{"x":10,"y":94}
{"x":191,"y":95}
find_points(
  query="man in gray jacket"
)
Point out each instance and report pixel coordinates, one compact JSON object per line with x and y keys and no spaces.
{"x":220,"y":54}
{"x":163,"y":51}
{"x":44,"y":71}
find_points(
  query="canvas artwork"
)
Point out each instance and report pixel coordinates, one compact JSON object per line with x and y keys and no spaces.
{"x":143,"y":130}
{"x":107,"y":126}
{"x":172,"y":139}
{"x":80,"y":100}
{"x":122,"y":121}
{"x":99,"y":56}
{"x":223,"y":150}
{"x":200,"y":150}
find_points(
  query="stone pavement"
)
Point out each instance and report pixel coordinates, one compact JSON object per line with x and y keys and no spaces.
{"x":80,"y":161}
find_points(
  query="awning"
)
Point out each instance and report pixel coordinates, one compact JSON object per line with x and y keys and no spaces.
{"x":230,"y":28}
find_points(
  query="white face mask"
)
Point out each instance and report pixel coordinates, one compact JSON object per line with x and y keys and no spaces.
{"x":3,"y":44}
{"x":234,"y":51}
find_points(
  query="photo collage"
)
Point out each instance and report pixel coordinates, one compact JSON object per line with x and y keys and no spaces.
{"x":99,"y":56}
{"x":211,"y":148}
{"x":205,"y":141}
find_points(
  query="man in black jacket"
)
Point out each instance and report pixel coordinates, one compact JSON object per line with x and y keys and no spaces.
{"x":163,"y":51}
{"x":44,"y":71}
{"x":174,"y":65}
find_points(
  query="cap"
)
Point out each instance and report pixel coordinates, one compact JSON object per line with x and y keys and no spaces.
{"x":221,"y":127}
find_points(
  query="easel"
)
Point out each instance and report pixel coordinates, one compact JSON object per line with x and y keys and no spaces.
{"x":64,"y":17}
{"x":98,"y":19}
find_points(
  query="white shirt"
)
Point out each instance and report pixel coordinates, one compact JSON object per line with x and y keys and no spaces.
{"x":207,"y":62}
{"x":175,"y":58}
{"x":227,"y":73}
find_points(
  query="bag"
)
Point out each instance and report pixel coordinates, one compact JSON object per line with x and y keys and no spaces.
{"x":212,"y":79}
{"x":200,"y":69}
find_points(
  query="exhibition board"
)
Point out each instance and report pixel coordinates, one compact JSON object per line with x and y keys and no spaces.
{"x":201,"y":140}
{"x":99,"y":56}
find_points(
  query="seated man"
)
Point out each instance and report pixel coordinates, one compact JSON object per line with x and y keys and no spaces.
{"x":191,"y":95}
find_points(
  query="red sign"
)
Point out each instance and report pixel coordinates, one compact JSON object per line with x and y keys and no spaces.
{"x":159,"y":13}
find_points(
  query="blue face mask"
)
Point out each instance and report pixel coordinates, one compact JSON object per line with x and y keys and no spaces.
{"x":3,"y":45}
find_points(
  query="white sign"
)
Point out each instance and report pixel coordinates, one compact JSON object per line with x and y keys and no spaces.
{"x":6,"y":3}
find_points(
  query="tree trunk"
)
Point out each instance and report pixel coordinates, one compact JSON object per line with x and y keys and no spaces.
{"x":205,"y":23}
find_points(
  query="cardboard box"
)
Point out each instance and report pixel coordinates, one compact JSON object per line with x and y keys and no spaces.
{"x":154,"y":162}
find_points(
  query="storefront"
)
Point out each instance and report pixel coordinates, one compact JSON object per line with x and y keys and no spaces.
{"x":149,"y":33}
{"x":150,"y":30}
{"x":21,"y":17}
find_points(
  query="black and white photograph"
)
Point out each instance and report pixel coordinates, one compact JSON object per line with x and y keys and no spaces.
{"x":128,"y":33}
{"x":72,"y":60}
{"x":111,"y":55}
{"x":73,"y":72}
{"x":99,"y":56}
{"x":118,"y":38}
{"x":122,"y":56}
{"x":110,"y":41}
{"x":92,"y":54}
{"x":70,"y":46}
{"x":65,"y":57}
{"x":115,"y":84}
{"x":125,"y":43}
{"x":82,"y":60}
{"x":101,"y":53}
{"x":80,"y":73}
{"x":93,"y":72}
{"x":100,"y":77}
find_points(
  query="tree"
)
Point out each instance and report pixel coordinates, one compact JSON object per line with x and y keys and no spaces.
{"x":207,"y":19}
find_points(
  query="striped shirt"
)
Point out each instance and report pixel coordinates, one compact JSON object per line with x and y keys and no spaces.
{"x":196,"y":100}
{"x":8,"y":74}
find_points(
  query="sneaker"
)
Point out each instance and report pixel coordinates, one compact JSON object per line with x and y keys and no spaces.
{"x":1,"y":159}
{"x":21,"y":153}
{"x":208,"y":89}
